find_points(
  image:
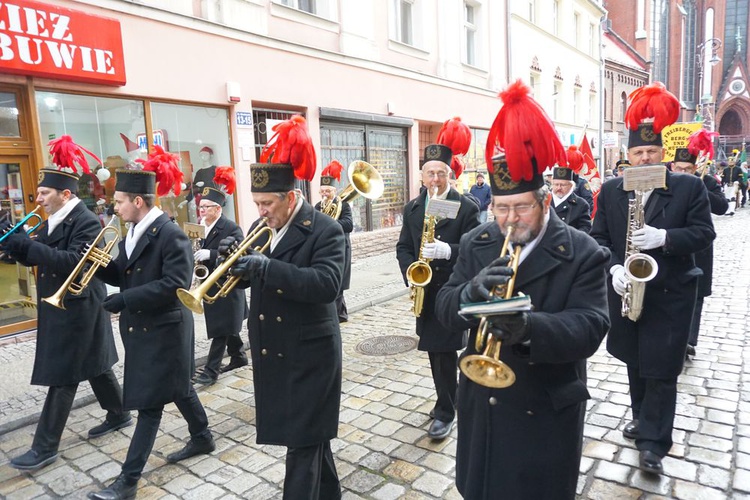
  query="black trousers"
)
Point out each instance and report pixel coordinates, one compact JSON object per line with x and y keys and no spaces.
{"x":59,"y":401}
{"x":234,"y":347}
{"x":695,"y":325}
{"x":311,"y":474}
{"x":148,"y":424}
{"x":444,"y":366}
{"x":653,"y":403}
{"x":341,"y":307}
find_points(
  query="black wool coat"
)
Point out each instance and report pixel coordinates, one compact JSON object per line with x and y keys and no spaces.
{"x":347,"y":225}
{"x":156,"y":329}
{"x":74,"y":344}
{"x":656,"y":343}
{"x":224,"y":317}
{"x":295,"y":339}
{"x":705,"y":258}
{"x":575,"y":212}
{"x":433,"y":335}
{"x":524,"y":441}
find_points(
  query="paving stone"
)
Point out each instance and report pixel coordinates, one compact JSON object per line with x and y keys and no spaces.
{"x":714,"y":477}
{"x":597,"y":449}
{"x":682,"y":469}
{"x":691,"y":491}
{"x":432,"y":483}
{"x":710,"y":442}
{"x":389,"y":492}
{"x":403,"y":471}
{"x":650,"y":482}
{"x":605,"y":490}
{"x":741,"y":480}
{"x":362,"y":481}
{"x":609,"y":471}
{"x":710,"y":457}
{"x":204,"y":492}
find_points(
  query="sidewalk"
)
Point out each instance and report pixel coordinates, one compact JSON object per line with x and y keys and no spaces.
{"x":374,"y":280}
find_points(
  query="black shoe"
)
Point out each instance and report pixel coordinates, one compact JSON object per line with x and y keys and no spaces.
{"x":234,"y":364}
{"x":343,"y":319}
{"x":631,"y":430}
{"x":122,"y":488}
{"x":106,"y":427}
{"x":690,"y":350}
{"x":33,"y":460}
{"x":650,"y":462}
{"x":432,"y":413}
{"x":194,"y":447}
{"x":440,"y":429}
{"x":204,"y":379}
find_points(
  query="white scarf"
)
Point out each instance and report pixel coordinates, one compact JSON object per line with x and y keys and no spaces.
{"x":279,"y":233}
{"x":55,"y":219}
{"x":136,"y":230}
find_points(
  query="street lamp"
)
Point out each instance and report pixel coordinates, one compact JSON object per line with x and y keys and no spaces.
{"x":705,"y":106}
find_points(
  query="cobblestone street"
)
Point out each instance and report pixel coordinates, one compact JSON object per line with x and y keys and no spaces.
{"x":383,"y":451}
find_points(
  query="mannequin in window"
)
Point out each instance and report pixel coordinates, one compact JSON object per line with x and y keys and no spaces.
{"x":206,"y":173}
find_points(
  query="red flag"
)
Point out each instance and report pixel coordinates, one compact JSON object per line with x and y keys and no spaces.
{"x":589,"y":171}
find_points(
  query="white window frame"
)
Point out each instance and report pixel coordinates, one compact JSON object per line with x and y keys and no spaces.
{"x":576,"y":29}
{"x":576,"y":104}
{"x":471,"y":36}
{"x":532,"y":11}
{"x":592,"y":39}
{"x":556,"y":17}
{"x":398,"y":32}
{"x":556,"y":99}
{"x":295,"y":4}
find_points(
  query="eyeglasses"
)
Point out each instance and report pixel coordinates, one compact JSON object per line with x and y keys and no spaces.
{"x":521,"y":210}
{"x":206,"y":207}
{"x":439,"y":175}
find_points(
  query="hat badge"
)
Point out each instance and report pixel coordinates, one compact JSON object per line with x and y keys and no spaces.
{"x":432,"y":152}
{"x":41,"y":176}
{"x":648,"y":134}
{"x":205,"y":192}
{"x":260,"y":177}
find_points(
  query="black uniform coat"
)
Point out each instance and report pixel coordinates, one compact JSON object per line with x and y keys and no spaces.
{"x":156,"y":329}
{"x":731,"y":174}
{"x":347,"y":225}
{"x":524,"y":441}
{"x":433,"y":335}
{"x":75,"y":344}
{"x":295,"y":340}
{"x":224,"y":317}
{"x":575,"y":212}
{"x":656,"y":343}
{"x":705,"y":258}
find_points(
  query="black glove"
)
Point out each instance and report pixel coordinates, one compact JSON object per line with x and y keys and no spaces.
{"x":5,"y":225}
{"x":224,"y":249}
{"x":251,"y":267}
{"x":480,"y":287}
{"x":17,"y":243}
{"x":511,"y":329}
{"x":114,"y":303}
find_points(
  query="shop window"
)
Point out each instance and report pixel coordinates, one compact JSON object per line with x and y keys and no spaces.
{"x":200,"y":136}
{"x":9,"y":124}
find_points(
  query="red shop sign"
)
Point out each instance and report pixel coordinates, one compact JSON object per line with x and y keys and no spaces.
{"x":49,"y":41}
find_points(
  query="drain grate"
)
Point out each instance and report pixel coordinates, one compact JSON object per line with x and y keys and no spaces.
{"x":386,"y":344}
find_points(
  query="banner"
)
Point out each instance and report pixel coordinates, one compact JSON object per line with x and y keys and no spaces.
{"x":589,"y":171}
{"x":676,"y":136}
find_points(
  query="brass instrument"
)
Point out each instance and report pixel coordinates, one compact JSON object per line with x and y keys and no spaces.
{"x":196,"y":232}
{"x":419,"y":273}
{"x":640,"y":268}
{"x":193,"y":299}
{"x":486,"y":369}
{"x":19,"y":225}
{"x":98,"y":257}
{"x":364,"y":181}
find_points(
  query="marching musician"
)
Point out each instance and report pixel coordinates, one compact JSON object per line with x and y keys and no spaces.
{"x":685,"y":162}
{"x":295,"y":339}
{"x":441,"y":343}
{"x":571,"y":208}
{"x":329,"y":184}
{"x":524,"y":441}
{"x":677,"y":224}
{"x":224,"y":316}
{"x":72,"y":344}
{"x":730,"y":174}
{"x":154,"y":260}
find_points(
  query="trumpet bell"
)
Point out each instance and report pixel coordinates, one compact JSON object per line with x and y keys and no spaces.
{"x":365,"y":180}
{"x":190,"y":301}
{"x":419,"y":273}
{"x":487,"y":371}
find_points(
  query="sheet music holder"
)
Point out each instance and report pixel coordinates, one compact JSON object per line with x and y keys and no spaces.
{"x":519,"y":303}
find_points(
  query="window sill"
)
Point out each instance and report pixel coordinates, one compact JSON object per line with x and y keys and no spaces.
{"x":300,"y":16}
{"x":640,"y":34}
{"x":474,"y":70}
{"x":409,"y":50}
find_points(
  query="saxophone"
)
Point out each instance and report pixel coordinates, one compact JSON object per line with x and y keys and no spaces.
{"x":640,"y":268}
{"x":419,"y":273}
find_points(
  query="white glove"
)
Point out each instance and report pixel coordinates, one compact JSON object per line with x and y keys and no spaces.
{"x":648,"y":238}
{"x":202,"y":254}
{"x":437,"y":250}
{"x":619,"y":280}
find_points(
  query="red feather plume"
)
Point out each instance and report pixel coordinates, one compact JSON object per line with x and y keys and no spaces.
{"x":334,"y":170}
{"x":456,"y":135}
{"x":652,"y":101}
{"x":575,"y":158}
{"x":224,"y":176}
{"x":165,"y":166}
{"x":292,"y":144}
{"x":66,"y":153}
{"x":702,"y":141}
{"x":525,"y":132}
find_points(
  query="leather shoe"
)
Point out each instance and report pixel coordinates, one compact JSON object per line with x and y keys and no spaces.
{"x":33,"y":460}
{"x":440,"y":429}
{"x":123,"y":488}
{"x":690,"y":350}
{"x":106,"y":427}
{"x":205,"y":379}
{"x":192,"y":448}
{"x":233,"y":365}
{"x":631,"y":430}
{"x":650,"y":462}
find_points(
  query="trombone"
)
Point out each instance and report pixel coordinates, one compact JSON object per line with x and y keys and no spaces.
{"x":486,"y":368}
{"x":193,"y":299}
{"x":364,"y":181}
{"x":99,"y":257}
{"x":19,"y":225}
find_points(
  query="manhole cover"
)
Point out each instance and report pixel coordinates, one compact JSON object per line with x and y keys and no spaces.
{"x":386,"y":344}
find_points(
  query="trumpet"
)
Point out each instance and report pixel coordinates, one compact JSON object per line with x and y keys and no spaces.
{"x":364,"y":181}
{"x":193,"y":299}
{"x":19,"y":225}
{"x":486,"y":369}
{"x":99,"y":257}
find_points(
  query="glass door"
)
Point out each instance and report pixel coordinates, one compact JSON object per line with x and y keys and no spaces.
{"x":17,"y":282}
